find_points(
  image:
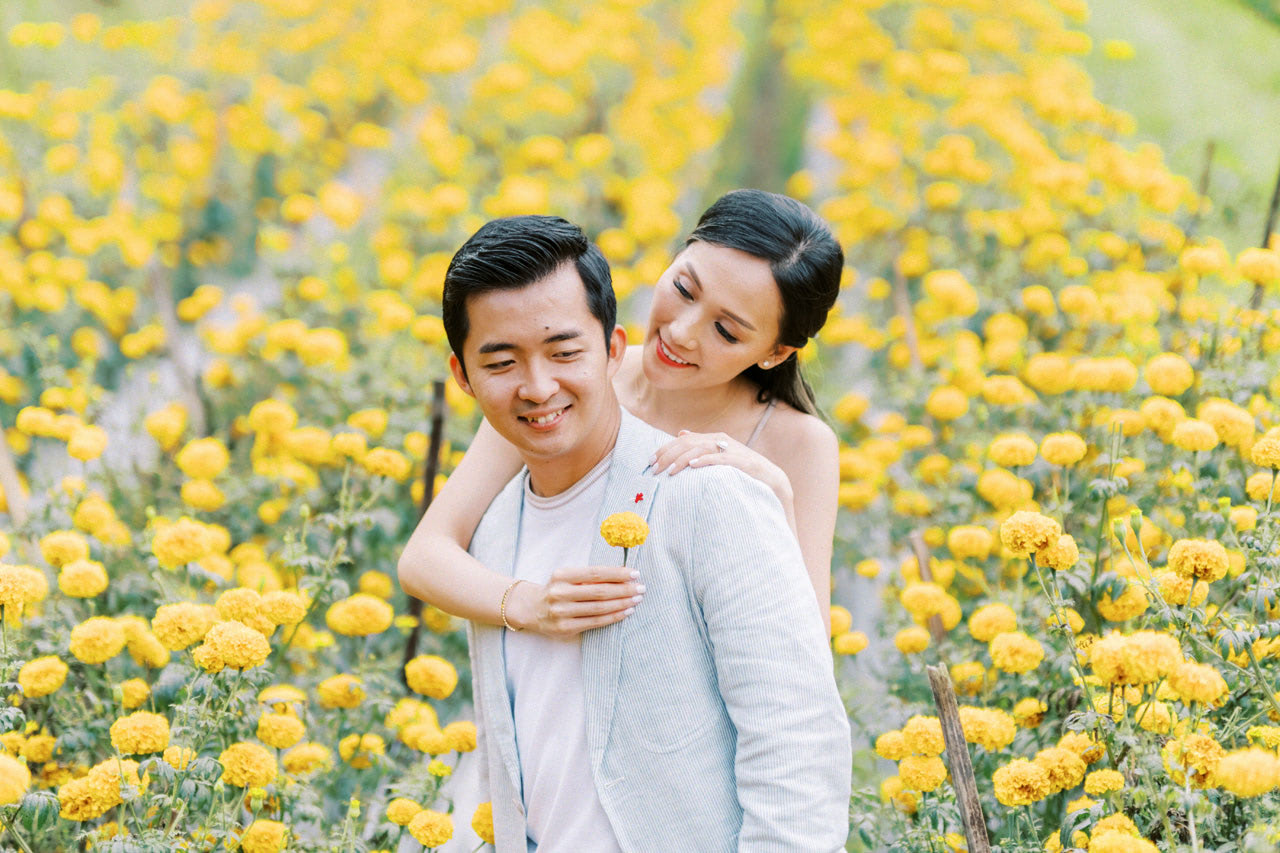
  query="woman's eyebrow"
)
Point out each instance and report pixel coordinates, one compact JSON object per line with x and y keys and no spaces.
{"x":732,"y":316}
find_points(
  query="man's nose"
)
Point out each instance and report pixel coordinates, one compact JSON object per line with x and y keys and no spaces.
{"x":539,"y":383}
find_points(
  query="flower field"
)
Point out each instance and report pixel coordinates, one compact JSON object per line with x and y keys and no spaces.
{"x":223,"y":234}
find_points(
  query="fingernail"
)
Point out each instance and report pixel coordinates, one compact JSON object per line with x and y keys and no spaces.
{"x":694,"y":461}
{"x":635,"y":574}
{"x":670,"y":469}
{"x":636,"y":599}
{"x":628,"y":611}
{"x":640,"y":588}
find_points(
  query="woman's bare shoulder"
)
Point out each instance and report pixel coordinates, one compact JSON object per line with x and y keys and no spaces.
{"x":626,"y":381}
{"x":792,"y":437}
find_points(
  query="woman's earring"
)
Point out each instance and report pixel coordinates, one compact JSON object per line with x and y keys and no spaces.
{"x":766,"y":364}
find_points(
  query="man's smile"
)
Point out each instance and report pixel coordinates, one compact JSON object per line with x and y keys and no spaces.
{"x":544,"y":420}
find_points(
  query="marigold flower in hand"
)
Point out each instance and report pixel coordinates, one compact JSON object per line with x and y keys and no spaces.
{"x":624,"y":530}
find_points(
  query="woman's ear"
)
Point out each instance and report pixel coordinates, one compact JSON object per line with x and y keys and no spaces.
{"x":780,"y":354}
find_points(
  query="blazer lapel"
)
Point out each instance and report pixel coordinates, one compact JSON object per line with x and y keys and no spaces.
{"x":631,"y":486}
{"x":496,"y":548}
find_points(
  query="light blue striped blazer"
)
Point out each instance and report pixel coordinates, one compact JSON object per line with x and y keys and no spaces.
{"x":713,"y":718}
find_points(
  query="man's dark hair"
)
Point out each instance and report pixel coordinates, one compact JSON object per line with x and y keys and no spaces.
{"x":515,"y":252}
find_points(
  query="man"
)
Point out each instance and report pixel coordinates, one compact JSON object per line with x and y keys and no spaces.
{"x":709,"y":719}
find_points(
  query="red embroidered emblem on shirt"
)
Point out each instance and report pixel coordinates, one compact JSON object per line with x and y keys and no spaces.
{"x":639,"y":496}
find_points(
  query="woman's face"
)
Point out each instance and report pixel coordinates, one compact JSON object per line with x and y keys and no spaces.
{"x":715,"y":312}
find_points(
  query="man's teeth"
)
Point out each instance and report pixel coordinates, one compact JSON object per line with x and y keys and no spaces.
{"x":544,"y":419}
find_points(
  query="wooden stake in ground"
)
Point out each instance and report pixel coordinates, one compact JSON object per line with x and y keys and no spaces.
{"x":436,"y":413}
{"x":936,"y":630}
{"x":1267,"y":228}
{"x":962,"y":779}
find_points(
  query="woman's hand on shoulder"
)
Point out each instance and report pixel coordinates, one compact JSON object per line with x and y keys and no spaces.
{"x":699,"y":449}
{"x":574,"y":600}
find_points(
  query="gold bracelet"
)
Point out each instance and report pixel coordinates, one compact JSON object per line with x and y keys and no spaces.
{"x":502,"y":608}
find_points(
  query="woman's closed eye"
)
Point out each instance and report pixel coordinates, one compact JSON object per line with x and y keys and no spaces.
{"x":680,"y":287}
{"x":724,"y":333}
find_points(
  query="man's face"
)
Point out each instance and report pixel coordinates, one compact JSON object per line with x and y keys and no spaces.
{"x":537,"y":363}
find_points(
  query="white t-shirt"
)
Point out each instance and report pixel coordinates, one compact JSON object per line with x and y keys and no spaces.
{"x":544,"y":679}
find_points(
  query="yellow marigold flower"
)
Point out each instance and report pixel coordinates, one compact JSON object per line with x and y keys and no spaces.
{"x":340,"y":691}
{"x":1261,"y":266}
{"x":401,"y":810}
{"x":282,"y":697}
{"x":1015,"y":652}
{"x":892,"y":790}
{"x":245,"y":605}
{"x":39,"y":748}
{"x":1154,"y":717}
{"x":841,"y":619}
{"x":166,"y":425}
{"x":203,"y":458}
{"x":850,"y":642}
{"x":62,"y":547}
{"x":1162,"y":415}
{"x":359,"y":615}
{"x":1133,"y":602}
{"x":307,"y":758}
{"x":951,"y":291}
{"x":180,"y":625}
{"x":376,"y":583}
{"x":1193,"y":753}
{"x":42,"y":676}
{"x":1234,"y":425}
{"x":969,"y":677}
{"x":352,"y":445}
{"x":87,"y":442}
{"x":969,"y":541}
{"x":892,"y":746}
{"x":1061,"y":555}
{"x":140,"y":733}
{"x":624,"y":530}
{"x":461,"y":735}
{"x":1101,"y":782}
{"x":237,"y":645}
{"x":15,"y":779}
{"x":247,"y":765}
{"x":97,"y":640}
{"x":264,"y":836}
{"x":991,"y":620}
{"x":1048,"y":373}
{"x":1006,"y":391}
{"x":1194,"y":435}
{"x":1082,"y":745}
{"x":272,"y":416}
{"x":1268,"y":736}
{"x":1063,"y":448}
{"x":911,"y":640}
{"x":184,"y":541}
{"x":990,"y":728}
{"x":1020,"y":783}
{"x":947,"y":403}
{"x":1266,"y":452}
{"x":1029,"y":712}
{"x":923,"y":600}
{"x":1169,"y":374}
{"x":923,"y":735}
{"x":178,"y":757}
{"x":438,"y":768}
{"x":431,"y":676}
{"x":1197,"y":682}
{"x":1012,"y":450}
{"x":385,"y":462}
{"x":1064,"y":768}
{"x":1249,"y":772}
{"x":1203,"y":559}
{"x":133,"y":692}
{"x":921,"y":772}
{"x":280,"y":730}
{"x":1111,"y":841}
{"x":98,"y":791}
{"x":284,"y":607}
{"x":482,"y":822}
{"x":358,"y":750}
{"x":1262,"y":485}
{"x":1025,"y":532}
{"x":431,"y":828}
{"x":82,"y":579}
{"x":203,"y":495}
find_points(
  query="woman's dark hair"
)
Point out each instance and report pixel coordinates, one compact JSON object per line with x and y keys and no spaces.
{"x":515,"y":252}
{"x":806,"y":262}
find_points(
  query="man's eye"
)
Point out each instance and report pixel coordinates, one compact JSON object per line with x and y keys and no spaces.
{"x":680,"y":288}
{"x":498,"y":365}
{"x":568,"y":353}
{"x":724,"y":333}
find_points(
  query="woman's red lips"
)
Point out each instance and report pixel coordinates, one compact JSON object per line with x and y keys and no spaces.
{"x":667,"y":357}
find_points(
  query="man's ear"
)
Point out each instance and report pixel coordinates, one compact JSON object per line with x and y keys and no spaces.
{"x":460,"y":374}
{"x":617,"y":349}
{"x":780,"y":354}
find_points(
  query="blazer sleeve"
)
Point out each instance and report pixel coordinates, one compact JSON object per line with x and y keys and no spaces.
{"x":774,"y":668}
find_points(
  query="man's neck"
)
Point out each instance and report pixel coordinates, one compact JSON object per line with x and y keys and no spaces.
{"x":549,"y":477}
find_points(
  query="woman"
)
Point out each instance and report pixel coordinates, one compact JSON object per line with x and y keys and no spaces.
{"x":753,"y":282}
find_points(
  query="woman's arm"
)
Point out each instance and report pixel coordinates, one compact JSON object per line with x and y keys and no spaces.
{"x":436,"y":567}
{"x":802,"y":469}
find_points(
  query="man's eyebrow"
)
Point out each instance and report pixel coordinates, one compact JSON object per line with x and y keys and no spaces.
{"x":732,"y":316}
{"x":500,"y":346}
